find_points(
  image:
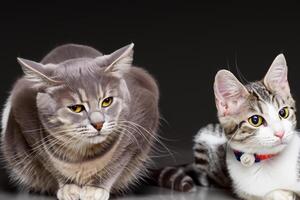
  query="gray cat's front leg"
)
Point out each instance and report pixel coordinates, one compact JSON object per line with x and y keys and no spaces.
{"x":75,"y":192}
{"x":101,"y":191}
{"x":94,"y":193}
{"x":69,"y":192}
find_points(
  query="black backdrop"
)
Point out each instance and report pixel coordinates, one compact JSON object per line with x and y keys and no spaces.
{"x":182,"y":44}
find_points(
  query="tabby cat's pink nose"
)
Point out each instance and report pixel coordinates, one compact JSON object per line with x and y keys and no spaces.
{"x":279,"y":134}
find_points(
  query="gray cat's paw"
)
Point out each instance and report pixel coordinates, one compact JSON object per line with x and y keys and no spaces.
{"x":280,"y":195}
{"x":93,"y":193}
{"x":69,"y":192}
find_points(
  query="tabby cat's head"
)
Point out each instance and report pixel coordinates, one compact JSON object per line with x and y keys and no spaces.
{"x":82,"y":99}
{"x":258,"y":117}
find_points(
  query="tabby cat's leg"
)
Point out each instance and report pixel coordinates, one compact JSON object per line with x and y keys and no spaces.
{"x":245,"y":196}
{"x":281,"y":195}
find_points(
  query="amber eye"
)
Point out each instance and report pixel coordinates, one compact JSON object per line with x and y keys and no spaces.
{"x":284,"y":112}
{"x":76,"y":108}
{"x":107,"y":102}
{"x":256,"y":120}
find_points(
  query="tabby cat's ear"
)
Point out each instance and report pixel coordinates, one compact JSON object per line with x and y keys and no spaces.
{"x":35,"y":72}
{"x":119,"y":61}
{"x":276,"y":78}
{"x":229,"y":92}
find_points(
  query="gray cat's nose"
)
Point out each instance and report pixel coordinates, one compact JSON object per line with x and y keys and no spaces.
{"x":98,"y":126}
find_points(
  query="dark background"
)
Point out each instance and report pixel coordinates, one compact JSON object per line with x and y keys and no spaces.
{"x":182,"y":44}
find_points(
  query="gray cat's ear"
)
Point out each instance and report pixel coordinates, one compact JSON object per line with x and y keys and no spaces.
{"x":276,"y":78}
{"x":35,"y":72}
{"x":230,"y":93}
{"x":119,"y":61}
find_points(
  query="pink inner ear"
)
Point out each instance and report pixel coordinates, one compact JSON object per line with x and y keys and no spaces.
{"x":231,"y":107}
{"x":229,"y":93}
{"x":284,"y":88}
{"x":222,"y":108}
{"x":276,"y":77}
{"x":229,"y":99}
{"x":278,"y":84}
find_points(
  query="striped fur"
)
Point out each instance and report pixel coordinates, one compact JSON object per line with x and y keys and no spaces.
{"x":208,"y":169}
{"x":273,"y":132}
{"x":209,"y":154}
{"x":215,"y":162}
{"x":175,"y":178}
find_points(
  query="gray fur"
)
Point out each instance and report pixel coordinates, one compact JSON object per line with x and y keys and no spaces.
{"x":42,"y":132}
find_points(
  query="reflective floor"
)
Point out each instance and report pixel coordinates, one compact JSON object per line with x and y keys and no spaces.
{"x":148,"y":193}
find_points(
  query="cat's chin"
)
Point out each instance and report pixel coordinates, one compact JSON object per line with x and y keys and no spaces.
{"x":270,"y":149}
{"x":97,"y":139}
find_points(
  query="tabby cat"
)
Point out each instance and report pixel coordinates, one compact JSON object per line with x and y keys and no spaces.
{"x":255,"y":149}
{"x":80,"y":124}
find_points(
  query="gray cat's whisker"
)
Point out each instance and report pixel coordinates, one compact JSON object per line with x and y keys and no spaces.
{"x":58,"y":112}
{"x":139,"y":126}
{"x":138,"y":131}
{"x":131,"y":136}
{"x":154,"y":148}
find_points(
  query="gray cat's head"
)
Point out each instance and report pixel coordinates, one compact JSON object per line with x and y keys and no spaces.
{"x":258,"y":117}
{"x":82,"y":99}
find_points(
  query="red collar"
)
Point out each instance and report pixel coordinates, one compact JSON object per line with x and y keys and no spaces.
{"x":258,"y":157}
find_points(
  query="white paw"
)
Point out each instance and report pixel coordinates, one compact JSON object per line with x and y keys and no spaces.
{"x":93,"y":193}
{"x":280,"y":195}
{"x":69,"y":192}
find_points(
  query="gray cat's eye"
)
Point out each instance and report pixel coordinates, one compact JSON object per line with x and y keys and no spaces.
{"x":76,"y":131}
{"x":77,"y":108}
{"x":107,"y":102}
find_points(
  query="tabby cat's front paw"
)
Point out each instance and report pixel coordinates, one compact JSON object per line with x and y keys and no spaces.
{"x":69,"y":192}
{"x":93,"y":193}
{"x":280,"y":195}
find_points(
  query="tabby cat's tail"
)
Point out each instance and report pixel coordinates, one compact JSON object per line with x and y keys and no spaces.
{"x":174,"y":178}
{"x":209,"y":166}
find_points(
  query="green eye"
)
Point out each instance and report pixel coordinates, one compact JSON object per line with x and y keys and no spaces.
{"x":256,"y":120}
{"x":107,"y":102}
{"x":76,"y":108}
{"x":284,"y":112}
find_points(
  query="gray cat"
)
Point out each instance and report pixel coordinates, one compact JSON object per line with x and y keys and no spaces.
{"x":80,"y":124}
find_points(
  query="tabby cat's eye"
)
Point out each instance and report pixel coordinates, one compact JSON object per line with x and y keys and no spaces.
{"x":77,"y":108}
{"x":256,"y":120}
{"x":107,"y":102}
{"x":284,"y":112}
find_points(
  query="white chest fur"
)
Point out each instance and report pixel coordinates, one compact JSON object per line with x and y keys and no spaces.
{"x":279,"y":172}
{"x":5,"y":114}
{"x":82,"y":172}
